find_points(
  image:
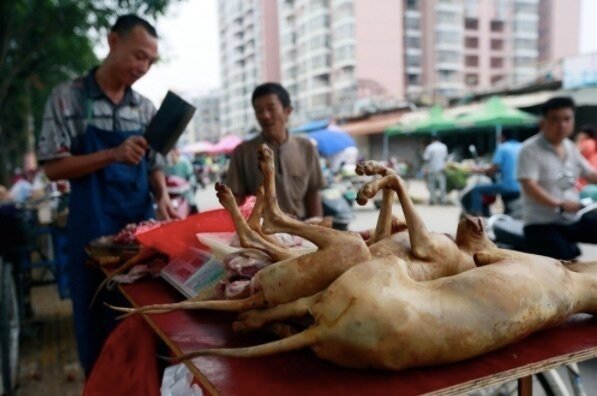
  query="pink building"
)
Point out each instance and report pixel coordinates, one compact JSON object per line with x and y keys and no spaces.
{"x":349,"y":57}
{"x":559,"y":29}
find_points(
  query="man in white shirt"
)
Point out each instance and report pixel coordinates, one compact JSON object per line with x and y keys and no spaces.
{"x":548,"y":166}
{"x":435,"y":156}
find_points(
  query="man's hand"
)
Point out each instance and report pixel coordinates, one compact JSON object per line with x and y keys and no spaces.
{"x":131,"y":151}
{"x":570,"y":206}
{"x":165,"y":209}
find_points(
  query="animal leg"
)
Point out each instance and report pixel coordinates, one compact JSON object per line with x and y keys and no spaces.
{"x":486,"y":257}
{"x":383,"y":228}
{"x":274,"y":220}
{"x":256,"y":319}
{"x":254,"y":220}
{"x":420,"y":239}
{"x":248,"y":237}
{"x":255,"y":301}
{"x":298,"y":341}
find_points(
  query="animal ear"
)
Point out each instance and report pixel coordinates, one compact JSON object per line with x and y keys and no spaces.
{"x":477,"y":223}
{"x":480,"y":224}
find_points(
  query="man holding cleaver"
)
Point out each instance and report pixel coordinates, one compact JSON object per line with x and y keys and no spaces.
{"x":92,"y":135}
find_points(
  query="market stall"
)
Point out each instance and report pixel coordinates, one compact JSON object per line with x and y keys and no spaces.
{"x":407,"y":308}
{"x":302,"y":373}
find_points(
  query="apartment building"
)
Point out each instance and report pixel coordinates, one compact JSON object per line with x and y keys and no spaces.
{"x":559,"y":33}
{"x":206,"y":120}
{"x":330,"y":63}
{"x":249,"y":51}
{"x":345,"y":57}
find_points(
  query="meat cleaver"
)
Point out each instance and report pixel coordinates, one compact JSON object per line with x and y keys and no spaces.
{"x":169,"y":123}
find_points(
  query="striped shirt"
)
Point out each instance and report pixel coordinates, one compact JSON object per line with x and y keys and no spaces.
{"x":539,"y":161}
{"x":75,"y":104}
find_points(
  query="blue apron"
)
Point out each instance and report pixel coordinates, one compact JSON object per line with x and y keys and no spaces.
{"x":101,"y":203}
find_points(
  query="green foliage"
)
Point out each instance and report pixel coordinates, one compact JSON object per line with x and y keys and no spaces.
{"x":44,"y":42}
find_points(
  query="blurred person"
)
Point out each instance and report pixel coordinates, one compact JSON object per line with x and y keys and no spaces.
{"x":548,"y":166}
{"x":92,"y":135}
{"x":180,"y":166}
{"x":298,"y":173}
{"x":503,"y":166}
{"x":30,"y":182}
{"x":435,"y":157}
{"x":587,"y":145}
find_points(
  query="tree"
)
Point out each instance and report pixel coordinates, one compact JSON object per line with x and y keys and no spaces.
{"x":44,"y":42}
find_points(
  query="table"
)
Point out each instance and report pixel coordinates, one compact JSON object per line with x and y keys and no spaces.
{"x":302,"y":373}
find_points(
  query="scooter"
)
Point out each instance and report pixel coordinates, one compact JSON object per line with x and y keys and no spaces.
{"x":337,"y":206}
{"x":512,"y":201}
{"x":507,"y":231}
{"x":178,"y":190}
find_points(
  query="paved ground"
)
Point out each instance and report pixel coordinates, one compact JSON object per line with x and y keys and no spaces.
{"x":49,"y":364}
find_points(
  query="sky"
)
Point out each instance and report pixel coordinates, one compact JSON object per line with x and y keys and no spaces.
{"x":189,"y":49}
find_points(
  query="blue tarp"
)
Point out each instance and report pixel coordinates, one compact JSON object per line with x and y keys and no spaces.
{"x":331,"y":141}
{"x":312,"y":126}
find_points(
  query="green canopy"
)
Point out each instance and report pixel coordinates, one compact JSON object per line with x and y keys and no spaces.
{"x":495,"y":113}
{"x":436,"y":121}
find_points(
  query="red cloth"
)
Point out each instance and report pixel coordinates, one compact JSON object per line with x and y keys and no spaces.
{"x":174,"y":238}
{"x":127,"y":365}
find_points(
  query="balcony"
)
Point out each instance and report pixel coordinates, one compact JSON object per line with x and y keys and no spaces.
{"x":526,"y":52}
{"x":449,"y":7}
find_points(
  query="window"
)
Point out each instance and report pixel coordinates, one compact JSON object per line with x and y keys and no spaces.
{"x":413,"y":61}
{"x":521,"y":61}
{"x":447,"y":76}
{"x":412,"y":23}
{"x":344,"y":52}
{"x":448,"y":57}
{"x":520,"y":8}
{"x":471,"y":60}
{"x":497,"y":44}
{"x":497,"y":26}
{"x":471,"y":79}
{"x":412,"y":5}
{"x":450,"y":38}
{"x":471,"y":23}
{"x":413,"y":79}
{"x":525,"y":44}
{"x":344,"y":31}
{"x":496,"y":79}
{"x":447,"y":18}
{"x":497,"y":62}
{"x":471,"y":8}
{"x":412,"y":42}
{"x":471,"y":42}
{"x":526,"y":26}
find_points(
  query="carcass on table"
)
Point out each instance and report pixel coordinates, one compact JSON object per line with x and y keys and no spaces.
{"x":375,"y":315}
{"x":295,"y":276}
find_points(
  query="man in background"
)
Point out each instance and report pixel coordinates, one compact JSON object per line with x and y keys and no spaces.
{"x":298,"y":173}
{"x":435,"y":157}
{"x":503,"y":167}
{"x":548,"y":166}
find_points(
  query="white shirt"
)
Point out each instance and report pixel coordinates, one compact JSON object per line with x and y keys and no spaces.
{"x":435,"y":156}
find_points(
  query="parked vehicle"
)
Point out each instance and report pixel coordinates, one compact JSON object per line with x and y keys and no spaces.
{"x":179,"y":191}
{"x":335,"y":205}
{"x":507,"y":231}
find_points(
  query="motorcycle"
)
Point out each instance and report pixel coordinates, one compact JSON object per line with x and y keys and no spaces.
{"x":337,"y":206}
{"x":512,"y":201}
{"x":178,"y":190}
{"x":507,"y":231}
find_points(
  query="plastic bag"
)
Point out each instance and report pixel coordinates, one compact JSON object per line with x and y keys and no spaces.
{"x":178,"y":381}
